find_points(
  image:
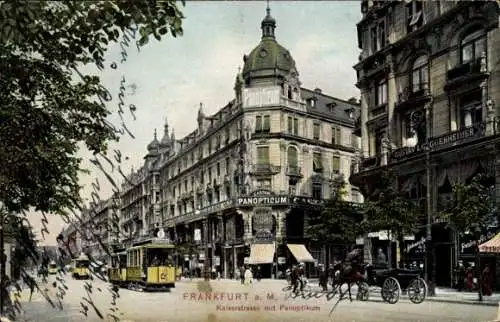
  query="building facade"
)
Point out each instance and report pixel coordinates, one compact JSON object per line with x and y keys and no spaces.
{"x":430,"y":88}
{"x":100,"y":228}
{"x":239,"y":188}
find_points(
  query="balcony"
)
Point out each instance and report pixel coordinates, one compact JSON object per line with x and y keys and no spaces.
{"x":335,"y":176}
{"x":209,"y":187}
{"x":216,"y":182}
{"x":465,"y":73}
{"x":227,"y":179}
{"x":294,"y":171}
{"x":200,"y":190}
{"x":413,"y":98}
{"x":370,"y":162}
{"x":264,"y":169}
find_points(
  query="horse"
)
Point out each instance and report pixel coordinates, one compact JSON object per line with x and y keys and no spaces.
{"x":349,"y":272}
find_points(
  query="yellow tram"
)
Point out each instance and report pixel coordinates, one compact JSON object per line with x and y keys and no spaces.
{"x":53,"y":267}
{"x":80,"y":267}
{"x":147,"y":265}
{"x":117,"y":274}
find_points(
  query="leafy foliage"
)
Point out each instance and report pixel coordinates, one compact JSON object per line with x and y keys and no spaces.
{"x":49,"y":106}
{"x":472,"y":206}
{"x":338,"y":222}
{"x":46,"y":113}
{"x":388,"y":209}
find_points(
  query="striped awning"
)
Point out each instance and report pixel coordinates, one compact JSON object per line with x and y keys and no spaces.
{"x":300,"y":253}
{"x":261,"y":254}
{"x":491,"y":246}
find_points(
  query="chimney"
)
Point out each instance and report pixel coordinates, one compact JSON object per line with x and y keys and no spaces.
{"x":317,"y":90}
{"x":353,"y":100}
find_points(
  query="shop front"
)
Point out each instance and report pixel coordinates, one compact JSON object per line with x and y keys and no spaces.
{"x":468,"y":253}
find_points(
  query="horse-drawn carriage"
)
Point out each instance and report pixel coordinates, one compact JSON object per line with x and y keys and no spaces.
{"x":392,"y":282}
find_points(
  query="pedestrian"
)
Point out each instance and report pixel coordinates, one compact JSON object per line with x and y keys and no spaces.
{"x":295,"y":278}
{"x":323,"y":278}
{"x":248,"y":276}
{"x":242,"y":274}
{"x":486,"y":280}
{"x":259,"y":276}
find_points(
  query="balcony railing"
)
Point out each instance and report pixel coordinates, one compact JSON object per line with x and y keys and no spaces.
{"x":464,"y":70}
{"x":464,"y":73}
{"x":370,"y":162}
{"x":264,"y":169}
{"x":294,"y":171}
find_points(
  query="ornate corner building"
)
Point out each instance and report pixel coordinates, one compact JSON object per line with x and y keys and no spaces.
{"x":429,"y":75}
{"x":243,"y":182}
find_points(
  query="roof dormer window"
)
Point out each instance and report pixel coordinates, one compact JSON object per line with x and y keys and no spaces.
{"x":312,"y":102}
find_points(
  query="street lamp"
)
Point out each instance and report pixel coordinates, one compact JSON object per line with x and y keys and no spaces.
{"x":477,"y":232}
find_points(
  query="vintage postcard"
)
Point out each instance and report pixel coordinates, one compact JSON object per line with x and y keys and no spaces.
{"x":249,"y":161}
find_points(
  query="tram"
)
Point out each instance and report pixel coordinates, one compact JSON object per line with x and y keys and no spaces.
{"x":151,"y":264}
{"x":53,"y":268}
{"x":80,"y":267}
{"x":148,"y":265}
{"x":117,"y":273}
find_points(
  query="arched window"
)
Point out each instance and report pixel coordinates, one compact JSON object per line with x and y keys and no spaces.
{"x":293,"y":161}
{"x":420,"y":74}
{"x":472,"y":46}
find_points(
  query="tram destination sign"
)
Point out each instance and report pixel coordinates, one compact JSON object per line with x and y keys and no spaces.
{"x":263,"y":200}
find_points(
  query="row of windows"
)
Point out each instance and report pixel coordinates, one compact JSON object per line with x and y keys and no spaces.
{"x":212,"y":145}
{"x":292,"y":154}
{"x":262,"y":125}
{"x":472,"y":47}
{"x":414,"y":14}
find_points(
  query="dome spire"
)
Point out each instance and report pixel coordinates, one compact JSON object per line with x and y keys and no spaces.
{"x":268,"y":24}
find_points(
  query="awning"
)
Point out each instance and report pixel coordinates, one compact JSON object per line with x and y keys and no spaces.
{"x":261,"y":254}
{"x":300,"y":253}
{"x":491,"y":246}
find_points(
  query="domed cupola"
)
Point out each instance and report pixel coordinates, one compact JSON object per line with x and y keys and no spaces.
{"x":154,"y":145}
{"x":269,"y":62}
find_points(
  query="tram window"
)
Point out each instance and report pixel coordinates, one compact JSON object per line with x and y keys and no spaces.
{"x":160,"y":257}
{"x":82,"y":264}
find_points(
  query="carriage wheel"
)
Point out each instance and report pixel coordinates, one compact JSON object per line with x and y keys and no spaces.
{"x":363,"y":292}
{"x":417,"y":290}
{"x":391,"y":290}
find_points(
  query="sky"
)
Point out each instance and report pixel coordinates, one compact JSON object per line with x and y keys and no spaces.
{"x":167,"y":79}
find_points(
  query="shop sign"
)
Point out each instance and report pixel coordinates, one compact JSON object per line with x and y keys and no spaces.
{"x":439,"y":142}
{"x":281,"y":260}
{"x":469,"y":246}
{"x":262,"y":200}
{"x":246,"y":260}
{"x":419,"y":246}
{"x":202,"y":256}
{"x":217,"y":260}
{"x":308,"y":201}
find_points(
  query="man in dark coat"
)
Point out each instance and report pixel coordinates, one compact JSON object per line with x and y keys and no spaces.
{"x":295,"y":278}
{"x":323,"y":277}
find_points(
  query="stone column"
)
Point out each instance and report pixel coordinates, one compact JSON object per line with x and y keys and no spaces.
{"x":247,"y":224}
{"x":392,"y":96}
{"x":365,"y":143}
